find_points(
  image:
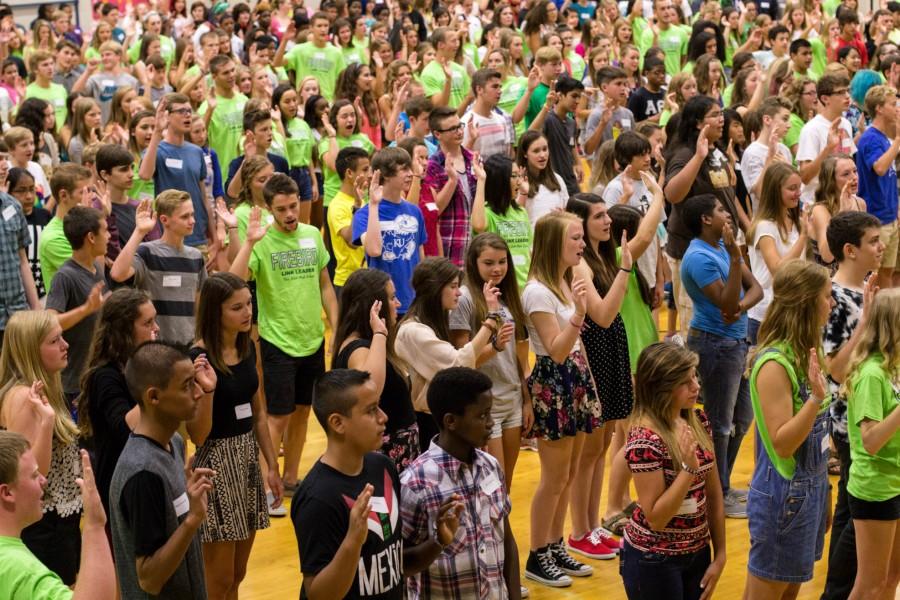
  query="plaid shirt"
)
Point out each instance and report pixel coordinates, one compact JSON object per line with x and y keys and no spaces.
{"x":14,"y":236}
{"x":472,"y":565}
{"x":455,"y":222}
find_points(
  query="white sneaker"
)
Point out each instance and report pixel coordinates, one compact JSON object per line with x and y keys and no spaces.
{"x":281,"y":511}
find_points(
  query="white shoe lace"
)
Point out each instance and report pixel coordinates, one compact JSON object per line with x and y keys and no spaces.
{"x":549,"y":566}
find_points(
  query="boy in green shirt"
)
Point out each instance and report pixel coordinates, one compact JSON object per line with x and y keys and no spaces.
{"x":41,"y":64}
{"x":224,"y":116}
{"x":666,"y":35}
{"x":288,"y":261}
{"x":446,"y":82}
{"x":316,"y":58}
{"x":70,"y":187}
{"x":354,"y":169}
{"x":548,"y":63}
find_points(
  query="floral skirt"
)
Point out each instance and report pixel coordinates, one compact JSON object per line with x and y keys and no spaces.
{"x":401,"y":446}
{"x":564,"y":398}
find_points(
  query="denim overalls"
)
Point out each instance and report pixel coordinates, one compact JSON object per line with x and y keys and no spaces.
{"x":787,"y":518}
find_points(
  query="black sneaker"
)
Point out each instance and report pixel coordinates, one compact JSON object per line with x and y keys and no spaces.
{"x":566,"y":563}
{"x":541,"y":567}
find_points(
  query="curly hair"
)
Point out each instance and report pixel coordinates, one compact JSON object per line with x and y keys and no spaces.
{"x":31,"y":116}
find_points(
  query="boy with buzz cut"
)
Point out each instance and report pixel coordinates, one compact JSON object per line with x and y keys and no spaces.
{"x":257,"y":141}
{"x":353,"y":167}
{"x":775,"y":115}
{"x":103,"y":84}
{"x":646,"y":103}
{"x":156,"y":504}
{"x":77,"y":292}
{"x":41,"y":65}
{"x":455,"y":469}
{"x":854,"y":237}
{"x":446,"y":82}
{"x":170,"y":271}
{"x":70,"y":188}
{"x":610,"y":119}
{"x":315,"y":57}
{"x":547,"y":68}
{"x":346,"y":513}
{"x":561,"y":130}
{"x":391,"y":230}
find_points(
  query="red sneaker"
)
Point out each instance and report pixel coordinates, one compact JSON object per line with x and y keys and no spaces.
{"x":608,"y":540}
{"x":591,"y":546}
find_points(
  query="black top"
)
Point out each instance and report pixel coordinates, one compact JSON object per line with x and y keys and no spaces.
{"x":108,"y":402}
{"x":644,"y":104}
{"x":143,"y":503}
{"x":396,"y":401}
{"x":561,"y":135}
{"x":232,"y":401}
{"x":320,"y":512}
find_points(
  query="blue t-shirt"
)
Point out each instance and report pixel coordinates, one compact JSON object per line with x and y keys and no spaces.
{"x":402,"y":234}
{"x":880,"y":193}
{"x":701,"y":265}
{"x":183,"y":168}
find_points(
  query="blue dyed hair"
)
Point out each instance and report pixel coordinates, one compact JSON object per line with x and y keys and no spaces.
{"x":861,"y":83}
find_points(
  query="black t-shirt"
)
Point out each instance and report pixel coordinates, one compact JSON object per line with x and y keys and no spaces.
{"x":395,"y":401}
{"x":125,"y":221}
{"x":143,"y":503}
{"x":231,"y":412}
{"x":644,"y":104}
{"x":320,"y":512}
{"x":37,"y":220}
{"x":561,"y":135}
{"x":108,"y":402}
{"x":714,"y":178}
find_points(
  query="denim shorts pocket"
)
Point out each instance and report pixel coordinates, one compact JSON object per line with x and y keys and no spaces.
{"x":793,"y":505}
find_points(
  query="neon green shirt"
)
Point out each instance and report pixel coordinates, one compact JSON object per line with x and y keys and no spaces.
{"x":226,"y":128}
{"x":141,"y":189}
{"x":23,"y":576}
{"x":332,"y":180}
{"x":325,"y":64}
{"x":433,"y":81}
{"x":512,"y":91}
{"x":53,"y":250}
{"x":354,"y":55}
{"x":299,"y":143}
{"x":515,"y":228}
{"x":288,"y":266}
{"x":578,"y":65}
{"x":673,"y":42}
{"x":56,"y":95}
{"x":820,"y":59}
{"x":166,"y":50}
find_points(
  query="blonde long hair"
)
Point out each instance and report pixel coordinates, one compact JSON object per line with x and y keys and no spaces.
{"x":661,"y":368}
{"x":880,"y":334}
{"x":549,"y":237}
{"x":20,"y":364}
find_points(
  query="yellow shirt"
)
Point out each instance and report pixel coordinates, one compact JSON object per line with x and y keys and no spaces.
{"x":349,"y":258}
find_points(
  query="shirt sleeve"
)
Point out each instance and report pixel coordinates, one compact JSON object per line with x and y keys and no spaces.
{"x":870,"y":150}
{"x":413,"y":513}
{"x":765,"y":229}
{"x":218,"y":191}
{"x":432,"y":82}
{"x":809,"y":145}
{"x":320,"y":532}
{"x":111,"y":400}
{"x":539,"y":299}
{"x":359,"y":224}
{"x":643,"y":451}
{"x":461,"y":316}
{"x":143,"y":504}
{"x":866,"y":401}
{"x":701,"y":270}
{"x":613,"y":192}
{"x":752,"y":165}
{"x":58,"y":296}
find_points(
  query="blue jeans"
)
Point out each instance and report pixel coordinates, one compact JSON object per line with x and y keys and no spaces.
{"x":651,"y":576}
{"x":725,"y":393}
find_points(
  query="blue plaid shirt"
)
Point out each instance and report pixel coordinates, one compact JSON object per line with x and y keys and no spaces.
{"x":14,"y":236}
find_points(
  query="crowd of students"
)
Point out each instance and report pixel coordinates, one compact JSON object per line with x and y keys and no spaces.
{"x":481,"y":207}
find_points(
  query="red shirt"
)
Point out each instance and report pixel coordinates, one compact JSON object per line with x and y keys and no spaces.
{"x":857,"y":43}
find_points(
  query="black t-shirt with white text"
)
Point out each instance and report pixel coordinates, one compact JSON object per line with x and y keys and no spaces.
{"x":320,"y":512}
{"x":644,"y":104}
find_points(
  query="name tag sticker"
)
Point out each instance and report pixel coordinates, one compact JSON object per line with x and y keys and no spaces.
{"x":9,"y":212}
{"x":519,"y":260}
{"x":171,"y":280}
{"x":356,"y":144}
{"x":174,"y":163}
{"x":826,"y":446}
{"x":688,"y":506}
{"x":490,"y":485}
{"x":243,"y":411}
{"x":59,"y":102}
{"x":181,"y":504}
{"x":626,"y":122}
{"x":307,"y":243}
{"x":431,"y":206}
{"x":379,"y":505}
{"x":108,"y":83}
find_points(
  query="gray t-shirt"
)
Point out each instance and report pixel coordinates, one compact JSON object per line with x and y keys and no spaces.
{"x":621,"y":119}
{"x":70,"y":289}
{"x":103,"y":86}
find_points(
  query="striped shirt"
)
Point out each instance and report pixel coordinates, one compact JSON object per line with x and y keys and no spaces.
{"x":172,"y":277}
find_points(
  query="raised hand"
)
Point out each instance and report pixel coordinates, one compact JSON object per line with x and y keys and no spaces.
{"x":505,"y":335}
{"x":413,"y":61}
{"x":376,"y":189}
{"x":226,"y":216}
{"x":204,"y":374}
{"x":652,"y":184}
{"x":522,"y":180}
{"x":703,"y":143}
{"x":249,"y":144}
{"x":478,"y":166}
{"x":255,"y":229}
{"x":144,"y":217}
{"x":448,"y":518}
{"x":162,"y":118}
{"x":730,"y":244}
{"x":199,"y":484}
{"x":377,"y":324}
{"x":472,"y":131}
{"x":687,"y":443}
{"x":358,"y":527}
{"x":534,"y":78}
{"x":211,"y":99}
{"x":579,"y":295}
{"x":326,"y":123}
{"x":627,"y":260}
{"x":817,"y":382}
{"x":95,"y":299}
{"x":870,"y":288}
{"x":39,"y":403}
{"x":491,"y":295}
{"x":452,"y":175}
{"x":835,"y":134}
{"x":90,"y":498}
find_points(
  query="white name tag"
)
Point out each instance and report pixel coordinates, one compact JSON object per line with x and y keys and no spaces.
{"x":826,"y":445}
{"x":688,"y":506}
{"x":431,"y":206}
{"x":9,"y":212}
{"x":59,"y":102}
{"x":174,"y":163}
{"x":108,"y":83}
{"x":171,"y":280}
{"x":243,"y":411}
{"x":270,"y":219}
{"x":379,"y":505}
{"x":356,"y":144}
{"x":519,"y":260}
{"x":626,"y":122}
{"x":307,"y":243}
{"x":490,"y":485}
{"x":181,"y":504}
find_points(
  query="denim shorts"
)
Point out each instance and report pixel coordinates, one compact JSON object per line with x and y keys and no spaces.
{"x":787,"y":518}
{"x":300,"y":175}
{"x":653,"y":576}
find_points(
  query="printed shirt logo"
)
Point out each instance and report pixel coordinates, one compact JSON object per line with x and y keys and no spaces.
{"x":385,"y":513}
{"x":399,"y":238}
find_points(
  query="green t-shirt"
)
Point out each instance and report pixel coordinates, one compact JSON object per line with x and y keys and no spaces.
{"x":471,"y":52}
{"x":639,"y":325}
{"x":288,"y":266}
{"x":53,"y":250}
{"x":727,"y":93}
{"x":578,"y":65}
{"x":141,"y":189}
{"x":300,"y":143}
{"x":873,"y":477}
{"x":166,"y":50}
{"x":242,"y":214}
{"x":56,"y":95}
{"x":830,"y":7}
{"x":226,"y":128}
{"x":433,"y":78}
{"x":664,"y":117}
{"x":90,"y":53}
{"x":353,"y":55}
{"x":325,"y":64}
{"x":349,"y":258}
{"x":515,"y":228}
{"x":673,"y":42}
{"x":820,"y":59}
{"x":793,"y":133}
{"x":512,"y":91}
{"x":332,"y":181}
{"x":638,"y":26}
{"x":784,"y":356}
{"x":536,"y":103}
{"x":23,"y":576}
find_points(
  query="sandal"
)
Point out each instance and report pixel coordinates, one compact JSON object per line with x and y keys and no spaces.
{"x":834,"y":466}
{"x":616,"y":523}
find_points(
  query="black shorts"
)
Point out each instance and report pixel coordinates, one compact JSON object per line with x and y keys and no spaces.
{"x":254,"y":302}
{"x":863,"y":510}
{"x":289,"y":380}
{"x":56,"y":542}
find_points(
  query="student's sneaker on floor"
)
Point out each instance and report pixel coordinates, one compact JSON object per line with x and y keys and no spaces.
{"x":524,"y":592}
{"x":541,"y":567}
{"x":281,"y":511}
{"x":290,"y":488}
{"x":569,"y":565}
{"x":734,"y":508}
{"x":738,"y":494}
{"x":591,"y":546}
{"x":675,"y":338}
{"x":606,"y":536}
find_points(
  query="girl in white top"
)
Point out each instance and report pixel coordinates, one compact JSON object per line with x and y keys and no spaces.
{"x":423,"y":337}
{"x":778,"y":233}
{"x":546,"y":190}
{"x":565,"y":402}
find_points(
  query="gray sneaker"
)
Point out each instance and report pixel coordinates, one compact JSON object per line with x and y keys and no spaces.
{"x":734,"y":508}
{"x":738,"y":494}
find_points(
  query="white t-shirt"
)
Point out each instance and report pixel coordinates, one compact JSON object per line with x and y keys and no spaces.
{"x":814,"y":137}
{"x":537,"y":297}
{"x":758,"y":263}
{"x":640,"y":199}
{"x":496,"y":134}
{"x":753,"y":163}
{"x":545,"y":201}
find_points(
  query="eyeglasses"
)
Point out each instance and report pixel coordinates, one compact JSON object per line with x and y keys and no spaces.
{"x":843,"y":92}
{"x":809,"y":93}
{"x":28,"y":190}
{"x":457,"y":127}
{"x":182,"y":111}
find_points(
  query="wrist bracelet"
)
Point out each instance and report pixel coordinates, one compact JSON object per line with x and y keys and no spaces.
{"x":494,"y":344}
{"x":687,"y":469}
{"x":491,"y":327}
{"x":624,"y":270}
{"x":380,"y":333}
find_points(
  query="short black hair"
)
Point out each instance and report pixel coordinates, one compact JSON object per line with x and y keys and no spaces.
{"x":453,"y":389}
{"x":110,"y":156}
{"x":439,"y":114}
{"x":797,"y":44}
{"x":777,"y":29}
{"x":566,"y":84}
{"x":255,"y":117}
{"x":279,"y":183}
{"x":151,"y":366}
{"x":846,"y":15}
{"x":628,"y":145}
{"x":335,"y":393}
{"x":848,"y":227}
{"x":653,"y":62}
{"x":694,"y":209}
{"x":389,"y":160}
{"x":348,"y":158}
{"x":80,"y":221}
